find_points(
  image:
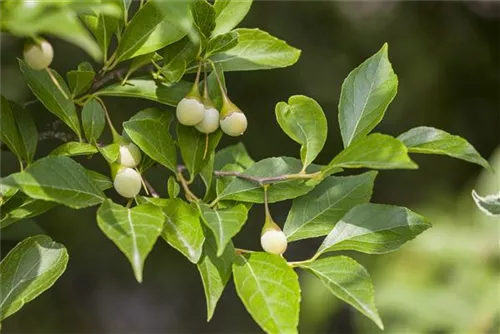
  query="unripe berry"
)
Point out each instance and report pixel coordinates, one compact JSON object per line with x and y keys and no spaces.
{"x":130,"y":155}
{"x":38,"y":56}
{"x":234,"y":124}
{"x":274,"y":241}
{"x":232,"y":121}
{"x":190,"y":110}
{"x":210,"y":122}
{"x":127,"y":182}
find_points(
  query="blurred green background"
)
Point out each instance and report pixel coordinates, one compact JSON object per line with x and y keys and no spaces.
{"x":447,"y":57}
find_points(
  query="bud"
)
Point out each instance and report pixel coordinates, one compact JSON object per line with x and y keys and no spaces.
{"x":127,"y":182}
{"x":38,"y":56}
{"x":232,"y":121}
{"x":272,"y":239}
{"x":130,"y":155}
{"x":190,"y":110}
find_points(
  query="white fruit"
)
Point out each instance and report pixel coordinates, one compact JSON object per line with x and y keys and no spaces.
{"x":127,"y":182}
{"x":274,"y":241}
{"x":234,"y":124}
{"x":130,"y":155}
{"x":38,"y":56}
{"x":190,"y":111}
{"x":210,"y":121}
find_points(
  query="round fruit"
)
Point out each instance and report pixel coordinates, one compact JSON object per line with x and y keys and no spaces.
{"x":274,"y":241}
{"x":38,"y":56}
{"x":127,"y":182}
{"x":190,"y":111}
{"x":234,"y":124}
{"x":130,"y":155}
{"x":210,"y":121}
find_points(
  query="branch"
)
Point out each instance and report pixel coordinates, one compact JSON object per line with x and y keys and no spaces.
{"x":267,"y":180}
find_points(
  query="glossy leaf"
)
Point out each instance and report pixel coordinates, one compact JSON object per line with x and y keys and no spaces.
{"x":134,"y":230}
{"x":229,"y":13}
{"x":148,"y":89}
{"x":270,"y":291}
{"x":375,"y":151}
{"x":349,"y":281}
{"x":18,"y":130}
{"x":257,"y":50}
{"x":366,"y":93}
{"x":110,"y":152}
{"x":21,"y":207}
{"x":224,"y":223}
{"x":192,"y":144}
{"x":374,"y":229}
{"x":148,"y":129}
{"x":203,"y":18}
{"x":139,"y":62}
{"x":234,"y":154}
{"x":243,"y":190}
{"x":101,"y":181}
{"x":489,"y":204}
{"x":81,"y":79}
{"x":57,"y":179}
{"x":177,"y":57}
{"x":428,"y":140}
{"x":173,"y":187}
{"x":179,"y":14}
{"x":93,"y":120}
{"x":215,"y":272}
{"x":182,"y":229}
{"x":102,"y":27}
{"x":29,"y":269}
{"x":46,"y":91}
{"x":221,"y":43}
{"x":74,"y":148}
{"x":148,"y":31}
{"x":303,"y":120}
{"x":316,"y":213}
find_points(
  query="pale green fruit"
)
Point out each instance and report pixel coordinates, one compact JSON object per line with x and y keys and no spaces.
{"x":130,"y":155}
{"x":38,"y":56}
{"x":190,"y":111}
{"x":128,"y":182}
{"x":274,"y":241}
{"x":234,"y":124}
{"x":210,"y":122}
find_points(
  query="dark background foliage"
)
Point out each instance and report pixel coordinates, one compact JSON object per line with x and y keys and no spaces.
{"x":446,"y":55}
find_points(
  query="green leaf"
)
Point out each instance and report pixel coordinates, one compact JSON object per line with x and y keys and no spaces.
{"x":74,"y":148}
{"x":93,"y":120}
{"x":257,"y":50}
{"x":374,"y":229}
{"x":46,"y":91}
{"x":229,"y":14}
{"x":179,"y":14}
{"x":489,"y":204}
{"x":349,"y":281}
{"x":139,"y":62}
{"x":375,"y":151}
{"x":243,"y":190}
{"x":177,"y":57}
{"x":214,"y":90}
{"x":270,"y":291}
{"x":29,"y":269}
{"x":18,"y":130}
{"x":102,"y":27}
{"x":192,"y":144}
{"x":215,"y":272}
{"x":134,"y":231}
{"x":316,"y":213}
{"x":204,"y":17}
{"x":366,"y":93}
{"x":101,"y":181}
{"x":57,"y":179}
{"x":110,"y":152}
{"x":428,"y":140}
{"x":21,"y":207}
{"x":221,"y":43}
{"x":224,"y":223}
{"x":182,"y":229}
{"x":81,"y":79}
{"x":173,"y":187}
{"x":150,"y":90}
{"x":303,"y":120}
{"x":148,"y":129}
{"x":235,"y":154}
{"x":148,"y":31}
